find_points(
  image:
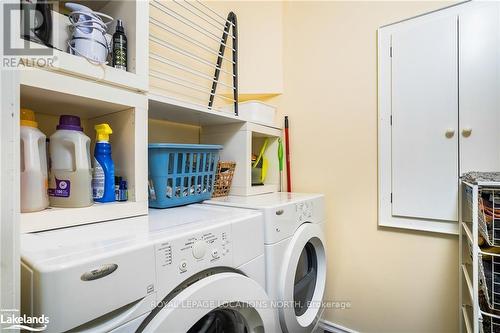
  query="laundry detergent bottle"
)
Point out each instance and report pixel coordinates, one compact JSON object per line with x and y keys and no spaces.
{"x":103,"y":181}
{"x":34,"y":182}
{"x":71,"y":175}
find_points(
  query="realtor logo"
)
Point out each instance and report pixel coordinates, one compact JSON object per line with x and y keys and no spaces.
{"x":27,"y":34}
{"x":10,"y":319}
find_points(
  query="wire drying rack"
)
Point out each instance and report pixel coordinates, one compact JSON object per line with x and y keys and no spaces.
{"x":489,"y":215}
{"x":480,"y":214}
{"x":188,"y":43}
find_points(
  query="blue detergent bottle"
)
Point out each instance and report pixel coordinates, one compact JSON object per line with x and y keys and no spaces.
{"x":103,"y":180}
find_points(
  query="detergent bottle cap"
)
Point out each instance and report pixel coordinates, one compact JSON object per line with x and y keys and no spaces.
{"x":67,"y":122}
{"x":103,"y":132}
{"x":28,"y":118}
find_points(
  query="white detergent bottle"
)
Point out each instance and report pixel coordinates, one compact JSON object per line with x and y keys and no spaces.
{"x":70,"y":182}
{"x":34,"y":196}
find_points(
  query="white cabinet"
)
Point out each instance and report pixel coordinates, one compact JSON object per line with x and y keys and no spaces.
{"x":51,"y":95}
{"x":438,"y":112}
{"x":479,"y":87}
{"x":133,"y":13}
{"x":240,"y":141}
{"x":424,"y":120}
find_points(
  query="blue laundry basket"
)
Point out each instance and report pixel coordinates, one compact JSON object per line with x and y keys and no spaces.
{"x":180,"y":174}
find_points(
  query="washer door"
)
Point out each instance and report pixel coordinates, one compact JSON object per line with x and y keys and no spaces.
{"x":224,"y":302}
{"x":304,"y":276}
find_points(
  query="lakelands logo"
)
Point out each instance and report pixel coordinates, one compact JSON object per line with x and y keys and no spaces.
{"x":11,"y":320}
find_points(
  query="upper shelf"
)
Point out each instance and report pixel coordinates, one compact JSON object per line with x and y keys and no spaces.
{"x":75,"y":65}
{"x":133,"y":13}
{"x":174,"y":110}
{"x":55,"y":93}
{"x":165,"y":108}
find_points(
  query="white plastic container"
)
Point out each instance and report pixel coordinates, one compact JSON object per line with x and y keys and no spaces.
{"x":255,"y":111}
{"x":34,"y":196}
{"x":71,"y":174}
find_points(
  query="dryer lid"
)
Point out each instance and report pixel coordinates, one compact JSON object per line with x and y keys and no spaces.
{"x":264,"y":201}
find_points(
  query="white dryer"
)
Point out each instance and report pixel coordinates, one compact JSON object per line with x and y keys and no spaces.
{"x":295,"y":254}
{"x":187,"y":269}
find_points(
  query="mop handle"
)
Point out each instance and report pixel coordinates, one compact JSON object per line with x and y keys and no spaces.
{"x":287,"y":150}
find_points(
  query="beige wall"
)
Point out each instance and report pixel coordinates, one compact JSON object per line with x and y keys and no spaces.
{"x":160,"y":131}
{"x":260,"y":45}
{"x":396,"y":281}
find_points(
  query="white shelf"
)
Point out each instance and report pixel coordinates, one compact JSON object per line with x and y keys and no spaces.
{"x":166,"y":108}
{"x":254,"y":189}
{"x":52,"y":94}
{"x":260,"y":130}
{"x":135,"y":15}
{"x":53,"y":218}
{"x":78,"y":66}
{"x":52,"y":91}
{"x":239,"y":141}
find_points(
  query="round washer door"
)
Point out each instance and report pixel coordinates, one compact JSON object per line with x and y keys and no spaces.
{"x":304,"y":279}
{"x":227,"y":302}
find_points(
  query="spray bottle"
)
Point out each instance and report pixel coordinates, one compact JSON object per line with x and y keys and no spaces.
{"x":103,"y":181}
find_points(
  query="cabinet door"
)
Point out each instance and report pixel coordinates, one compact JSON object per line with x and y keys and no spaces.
{"x":479,"y":32}
{"x":425,"y":119}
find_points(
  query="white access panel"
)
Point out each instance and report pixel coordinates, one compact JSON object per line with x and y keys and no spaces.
{"x":479,"y":57}
{"x":425,"y":119}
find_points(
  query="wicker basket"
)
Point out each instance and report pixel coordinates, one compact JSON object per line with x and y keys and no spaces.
{"x":223,"y":179}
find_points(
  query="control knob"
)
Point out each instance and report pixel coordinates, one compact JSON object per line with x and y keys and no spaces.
{"x":199,"y":249}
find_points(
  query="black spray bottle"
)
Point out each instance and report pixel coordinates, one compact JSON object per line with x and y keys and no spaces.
{"x":119,"y":47}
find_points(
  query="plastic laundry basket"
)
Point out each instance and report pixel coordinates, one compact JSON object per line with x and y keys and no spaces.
{"x":180,"y":174}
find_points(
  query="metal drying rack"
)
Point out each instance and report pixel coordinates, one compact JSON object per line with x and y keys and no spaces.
{"x":203,"y":22}
{"x":479,"y":257}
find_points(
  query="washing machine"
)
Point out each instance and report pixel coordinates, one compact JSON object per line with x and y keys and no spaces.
{"x":295,"y":254}
{"x":187,"y":269}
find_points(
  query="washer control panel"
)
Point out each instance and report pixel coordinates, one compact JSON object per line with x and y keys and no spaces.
{"x":304,"y":211}
{"x":182,"y":257}
{"x":284,"y":219}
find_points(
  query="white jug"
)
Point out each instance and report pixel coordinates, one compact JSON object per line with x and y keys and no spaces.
{"x":71,"y":174}
{"x":34,"y":196}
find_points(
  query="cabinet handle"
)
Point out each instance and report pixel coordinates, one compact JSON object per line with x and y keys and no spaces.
{"x":450,"y":132}
{"x":466,"y":132}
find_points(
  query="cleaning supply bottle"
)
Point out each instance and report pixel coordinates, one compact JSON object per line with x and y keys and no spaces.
{"x":71,"y":175}
{"x":34,"y":196}
{"x":103,"y":181}
{"x":120,"y":46}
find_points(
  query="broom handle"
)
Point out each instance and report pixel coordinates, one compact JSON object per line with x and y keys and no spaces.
{"x":287,"y":150}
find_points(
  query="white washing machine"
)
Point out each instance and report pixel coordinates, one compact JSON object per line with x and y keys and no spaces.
{"x":186,"y":269}
{"x":295,"y":253}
